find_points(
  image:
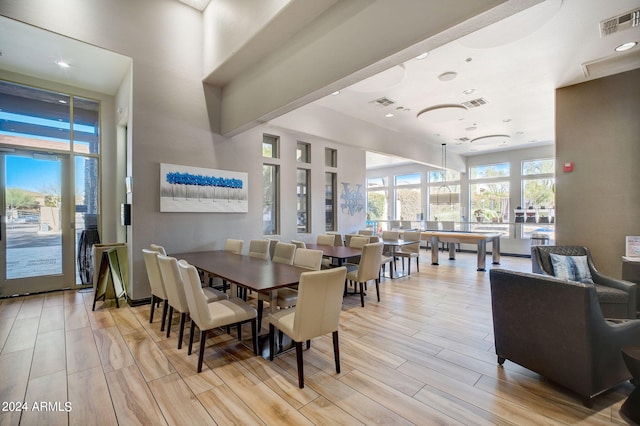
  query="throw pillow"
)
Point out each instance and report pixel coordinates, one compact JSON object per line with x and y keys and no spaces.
{"x":573,"y":268}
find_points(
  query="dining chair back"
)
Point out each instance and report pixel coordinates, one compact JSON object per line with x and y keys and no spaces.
{"x":158,"y":248}
{"x":432,"y":225}
{"x":317,"y":313}
{"x":284,"y":253}
{"x":155,"y":282}
{"x":410,"y":251}
{"x":208,"y":316}
{"x":365,"y":232}
{"x":299,"y":244}
{"x":272,"y":246}
{"x":337,"y":238}
{"x":308,"y":259}
{"x":358,"y":242}
{"x":325,"y":240}
{"x":406,"y":224}
{"x":259,"y":249}
{"x":368,"y":268}
{"x":390,"y":235}
{"x":234,"y":246}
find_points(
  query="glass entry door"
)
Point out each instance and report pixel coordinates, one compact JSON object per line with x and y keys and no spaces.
{"x":37,"y":244}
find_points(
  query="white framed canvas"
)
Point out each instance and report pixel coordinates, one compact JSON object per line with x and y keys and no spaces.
{"x":197,"y":189}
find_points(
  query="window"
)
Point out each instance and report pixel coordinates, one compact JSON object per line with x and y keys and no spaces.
{"x":444,"y":195}
{"x":538,"y":167}
{"x":303,"y":200}
{"x":377,"y":207}
{"x":490,"y":201}
{"x":270,"y":203}
{"x":408,"y":197}
{"x":330,"y":157}
{"x":330,"y":190}
{"x":489,"y":171}
{"x":303,"y":153}
{"x":270,"y":148}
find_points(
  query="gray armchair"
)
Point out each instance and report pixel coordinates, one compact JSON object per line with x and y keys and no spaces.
{"x":556,"y":328}
{"x":618,"y":299}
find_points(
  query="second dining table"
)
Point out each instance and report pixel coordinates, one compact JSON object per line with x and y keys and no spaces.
{"x":337,"y":253}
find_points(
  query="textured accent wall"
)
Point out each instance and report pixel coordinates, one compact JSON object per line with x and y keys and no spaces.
{"x":598,"y":128}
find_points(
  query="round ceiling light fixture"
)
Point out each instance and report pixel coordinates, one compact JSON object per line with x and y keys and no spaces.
{"x":490,"y":140}
{"x":447,"y":76}
{"x":442,"y":113}
{"x":626,"y":46}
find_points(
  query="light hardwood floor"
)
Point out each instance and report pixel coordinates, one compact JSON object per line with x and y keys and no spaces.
{"x":423,"y":355}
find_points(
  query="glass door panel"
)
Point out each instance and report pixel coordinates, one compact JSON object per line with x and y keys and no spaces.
{"x":34,"y":256}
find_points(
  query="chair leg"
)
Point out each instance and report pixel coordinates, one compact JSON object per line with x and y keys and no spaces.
{"x":336,"y":351}
{"x":254,"y":336}
{"x":300,"y":365}
{"x":280,"y":338}
{"x":203,"y":337}
{"x":377,"y":289}
{"x":308,"y":344}
{"x":418,"y":264}
{"x":191,"y":337}
{"x":271,"y":341}
{"x":183,"y":319}
{"x":165,"y":308}
{"x":153,"y":305}
{"x":362,"y":294}
{"x":169,"y":320}
{"x":239,"y":331}
{"x":260,"y":309}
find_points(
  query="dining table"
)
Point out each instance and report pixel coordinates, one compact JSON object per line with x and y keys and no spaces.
{"x":251,"y":273}
{"x":392,"y":246}
{"x":337,"y":253}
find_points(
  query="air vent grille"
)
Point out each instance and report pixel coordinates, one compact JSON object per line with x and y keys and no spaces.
{"x":382,"y":102}
{"x":620,"y":23}
{"x":474,"y":103}
{"x":463,"y":139}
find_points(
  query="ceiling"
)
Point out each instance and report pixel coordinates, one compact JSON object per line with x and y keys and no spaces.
{"x":512,"y":66}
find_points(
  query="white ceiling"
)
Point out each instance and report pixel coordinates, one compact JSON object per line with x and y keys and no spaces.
{"x":515,"y":65}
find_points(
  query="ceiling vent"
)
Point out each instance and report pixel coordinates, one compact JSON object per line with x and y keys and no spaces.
{"x":474,"y":103}
{"x":620,"y":23}
{"x":382,"y":102}
{"x":463,"y":139}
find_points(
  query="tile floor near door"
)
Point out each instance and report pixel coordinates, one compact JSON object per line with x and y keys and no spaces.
{"x":423,"y":355}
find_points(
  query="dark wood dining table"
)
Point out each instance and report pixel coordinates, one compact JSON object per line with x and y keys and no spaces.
{"x":254,"y":274}
{"x":338,"y":253}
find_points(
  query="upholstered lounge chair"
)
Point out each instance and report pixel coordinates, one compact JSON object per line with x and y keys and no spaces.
{"x":617,"y":298}
{"x":556,"y":328}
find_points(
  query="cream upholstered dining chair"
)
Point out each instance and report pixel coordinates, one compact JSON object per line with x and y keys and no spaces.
{"x":299,"y":244}
{"x":284,"y":253}
{"x":175,"y":292}
{"x":157,"y":286}
{"x":316,"y":313}
{"x":337,"y":238}
{"x":368,"y":269}
{"x":365,"y":232}
{"x":233,"y":245}
{"x":308,"y":259}
{"x":158,"y":248}
{"x":410,"y":251}
{"x":208,"y":316}
{"x":259,"y":249}
{"x":356,"y":242}
{"x":325,"y":240}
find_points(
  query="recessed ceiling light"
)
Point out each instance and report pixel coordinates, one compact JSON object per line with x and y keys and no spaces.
{"x":422,"y":56}
{"x":63,"y":64}
{"x":389,"y":115}
{"x":506,"y":120}
{"x":336,"y":93}
{"x":626,"y":46}
{"x":468,"y":91}
{"x":447,"y":76}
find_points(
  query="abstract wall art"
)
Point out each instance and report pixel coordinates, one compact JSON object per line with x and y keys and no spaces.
{"x":353,"y":199}
{"x":195,"y":189}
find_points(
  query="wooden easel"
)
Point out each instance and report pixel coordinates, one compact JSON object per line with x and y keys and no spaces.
{"x":109,"y":278}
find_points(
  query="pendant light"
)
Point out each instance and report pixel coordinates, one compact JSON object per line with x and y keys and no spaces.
{"x":444,"y":187}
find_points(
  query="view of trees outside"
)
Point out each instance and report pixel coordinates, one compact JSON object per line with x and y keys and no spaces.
{"x":20,"y":199}
{"x":377,"y":205}
{"x":408,"y":203}
{"x":538,"y":192}
{"x":490,"y":201}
